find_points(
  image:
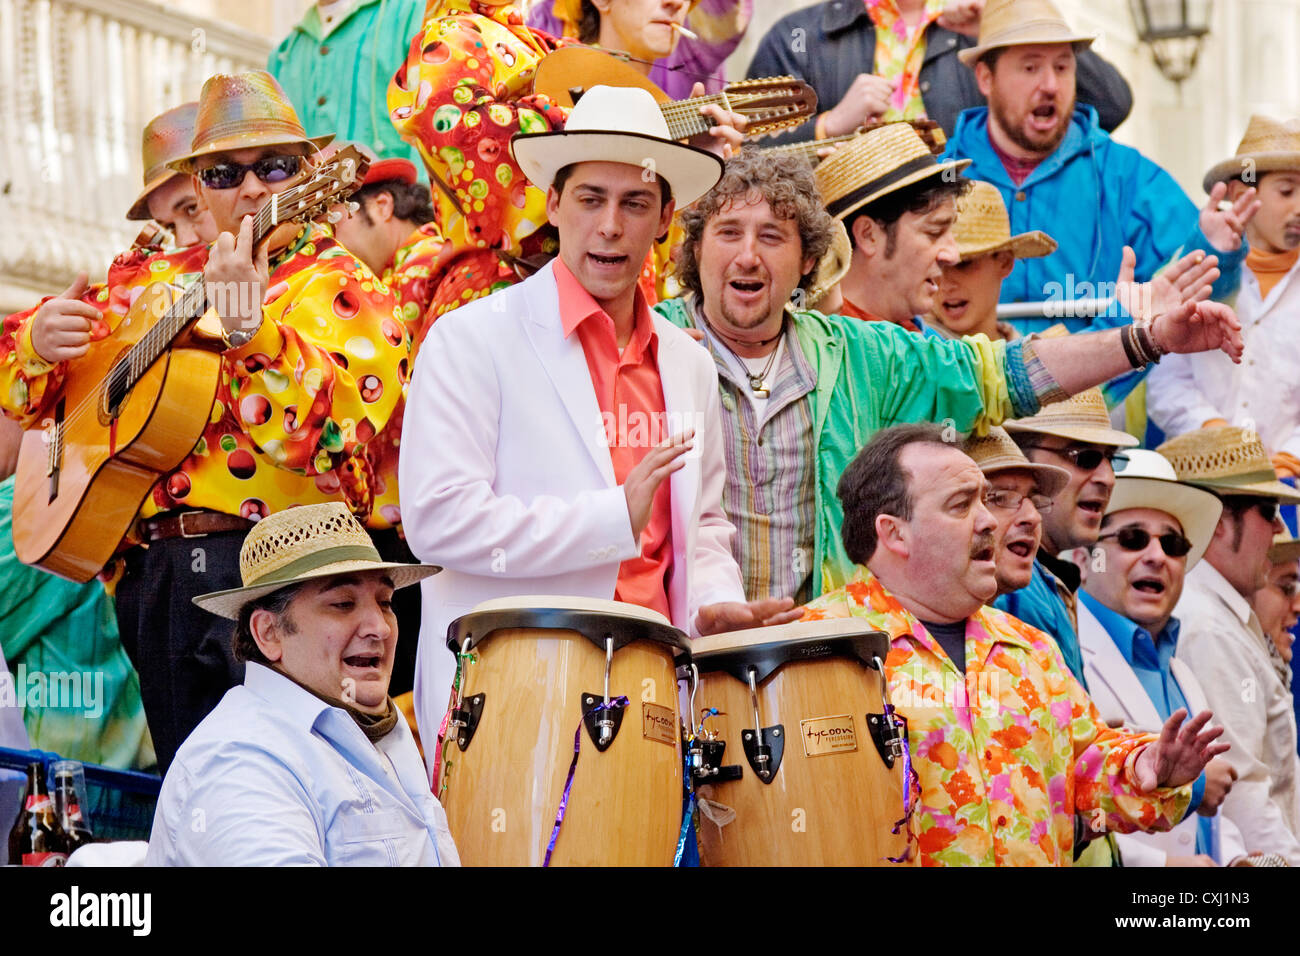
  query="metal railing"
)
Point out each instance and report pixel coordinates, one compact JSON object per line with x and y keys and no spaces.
{"x":78,"y":82}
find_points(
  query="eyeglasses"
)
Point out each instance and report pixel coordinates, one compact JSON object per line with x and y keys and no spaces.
{"x":1010,"y":501}
{"x":1240,"y":504}
{"x":1087,"y":459}
{"x":1136,"y":539}
{"x":1267,"y":510}
{"x":269,"y":169}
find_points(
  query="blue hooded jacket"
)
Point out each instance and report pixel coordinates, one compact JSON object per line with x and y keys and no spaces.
{"x":1093,"y":196}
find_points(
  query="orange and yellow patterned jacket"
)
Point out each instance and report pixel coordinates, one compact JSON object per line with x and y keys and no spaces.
{"x":294,"y":406}
{"x":1008,"y":755}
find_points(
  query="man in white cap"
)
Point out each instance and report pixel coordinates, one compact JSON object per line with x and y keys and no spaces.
{"x":1222,"y":640}
{"x":308,"y":762}
{"x":1191,"y":392}
{"x":1053,"y":164}
{"x":1155,"y":529}
{"x":560,"y":439}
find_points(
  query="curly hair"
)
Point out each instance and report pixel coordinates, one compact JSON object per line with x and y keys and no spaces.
{"x":785,"y":181}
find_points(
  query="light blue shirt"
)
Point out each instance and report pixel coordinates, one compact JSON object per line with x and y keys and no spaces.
{"x":275,"y":776}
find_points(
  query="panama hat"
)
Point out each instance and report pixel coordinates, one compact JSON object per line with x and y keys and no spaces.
{"x":1286,"y":547}
{"x":1020,"y":23}
{"x":982,"y":227}
{"x":166,"y":138}
{"x":1081,"y":417}
{"x":1148,"y":480}
{"x":1269,"y":146}
{"x":832,"y":266}
{"x":302,"y":544}
{"x":875,"y":164}
{"x":1228,"y":460}
{"x":242,"y":111}
{"x":996,"y":452}
{"x":614,"y":124}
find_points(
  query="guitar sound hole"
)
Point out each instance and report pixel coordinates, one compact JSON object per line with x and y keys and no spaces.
{"x":117,"y":387}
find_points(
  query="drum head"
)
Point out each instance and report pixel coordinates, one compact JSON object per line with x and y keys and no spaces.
{"x":764,"y":649}
{"x":595,"y":619}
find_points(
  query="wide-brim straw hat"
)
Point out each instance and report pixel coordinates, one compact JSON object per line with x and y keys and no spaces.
{"x":613,"y":124}
{"x":983,"y":227}
{"x":832,"y":266}
{"x":244,"y":111}
{"x":1021,"y":23}
{"x":1081,"y":417}
{"x":875,"y":164}
{"x":166,"y":138}
{"x":1269,"y":146}
{"x":1149,"y":480}
{"x":1285,"y":547}
{"x":305,"y":543}
{"x":1229,"y":460}
{"x":997,"y":451}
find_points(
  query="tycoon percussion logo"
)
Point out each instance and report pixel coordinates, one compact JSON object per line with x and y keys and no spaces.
{"x":658,"y":723}
{"x":828,"y":735}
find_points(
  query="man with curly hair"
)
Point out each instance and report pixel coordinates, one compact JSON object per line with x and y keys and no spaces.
{"x":801,"y":392}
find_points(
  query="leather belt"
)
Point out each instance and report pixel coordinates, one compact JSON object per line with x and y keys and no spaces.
{"x":191,"y":524}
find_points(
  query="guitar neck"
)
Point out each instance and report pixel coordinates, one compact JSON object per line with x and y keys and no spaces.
{"x":808,"y":149}
{"x":684,"y":117}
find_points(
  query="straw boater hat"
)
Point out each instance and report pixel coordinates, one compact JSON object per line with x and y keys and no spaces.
{"x":241,"y":111}
{"x":1148,"y":480}
{"x":1020,"y":23}
{"x":1269,"y":146}
{"x":1229,"y":460}
{"x":982,"y":227}
{"x":832,"y":266}
{"x":876,"y":164}
{"x":1286,"y":547}
{"x":1081,"y":417}
{"x":996,"y":452}
{"x":618,"y":125}
{"x":166,"y":138}
{"x":302,"y":544}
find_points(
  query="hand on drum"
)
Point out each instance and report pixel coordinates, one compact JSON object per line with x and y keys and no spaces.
{"x":735,"y":616}
{"x":1180,"y":754}
{"x":643,"y":481}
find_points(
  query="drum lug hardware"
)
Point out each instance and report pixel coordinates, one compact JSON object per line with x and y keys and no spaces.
{"x":609,"y":720}
{"x":465,"y":720}
{"x":887,"y":738}
{"x":765,"y":757}
{"x":706,"y":763}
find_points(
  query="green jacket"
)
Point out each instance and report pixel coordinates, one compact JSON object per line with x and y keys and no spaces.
{"x":339,"y":84}
{"x":871,"y":375}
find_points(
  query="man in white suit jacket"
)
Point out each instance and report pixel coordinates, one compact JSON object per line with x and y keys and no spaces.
{"x":507,"y":478}
{"x":1155,"y":528}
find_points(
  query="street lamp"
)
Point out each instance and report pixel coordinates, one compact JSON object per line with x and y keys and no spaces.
{"x":1174,"y":30}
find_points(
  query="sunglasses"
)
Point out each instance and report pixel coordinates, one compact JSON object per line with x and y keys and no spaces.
{"x":269,"y":169}
{"x":1136,"y":539}
{"x":1010,"y":501}
{"x":1087,"y":459}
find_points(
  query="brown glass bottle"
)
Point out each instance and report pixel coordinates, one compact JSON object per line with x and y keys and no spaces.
{"x":67,"y":803}
{"x":37,"y":838}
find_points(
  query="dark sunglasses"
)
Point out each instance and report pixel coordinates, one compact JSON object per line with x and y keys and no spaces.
{"x":1136,"y":539}
{"x":1086,"y":459}
{"x":269,"y":169}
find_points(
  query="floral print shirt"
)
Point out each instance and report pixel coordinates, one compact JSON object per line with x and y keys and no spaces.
{"x":294,"y":407}
{"x":900,"y":53}
{"x":1008,"y":753}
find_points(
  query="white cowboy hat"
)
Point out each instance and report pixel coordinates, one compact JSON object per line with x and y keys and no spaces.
{"x":301,"y":544}
{"x":616,"y":124}
{"x":1148,"y":480}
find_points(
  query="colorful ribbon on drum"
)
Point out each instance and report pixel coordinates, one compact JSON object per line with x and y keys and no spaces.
{"x":617,"y":703}
{"x":911,"y":784}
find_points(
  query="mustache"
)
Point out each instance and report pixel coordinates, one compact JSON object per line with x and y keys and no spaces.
{"x":982,"y":543}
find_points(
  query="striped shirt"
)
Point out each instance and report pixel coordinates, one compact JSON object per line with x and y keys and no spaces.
{"x":771,"y":487}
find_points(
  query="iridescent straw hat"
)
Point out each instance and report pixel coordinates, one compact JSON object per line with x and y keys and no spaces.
{"x":166,"y":138}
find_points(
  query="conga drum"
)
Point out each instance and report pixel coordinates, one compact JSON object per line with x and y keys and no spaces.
{"x":801,"y":766}
{"x":538,"y":670}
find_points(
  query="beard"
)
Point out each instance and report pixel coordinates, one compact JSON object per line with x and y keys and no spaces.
{"x":1015,"y":131}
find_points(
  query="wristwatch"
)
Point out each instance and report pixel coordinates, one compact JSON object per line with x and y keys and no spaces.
{"x":239,"y":337}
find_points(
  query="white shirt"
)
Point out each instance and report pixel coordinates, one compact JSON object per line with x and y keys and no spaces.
{"x":275,"y":776}
{"x":1262,"y":393}
{"x":1224,"y":645}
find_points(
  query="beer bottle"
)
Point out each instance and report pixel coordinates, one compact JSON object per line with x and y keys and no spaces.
{"x":67,"y":803}
{"x":41,"y":841}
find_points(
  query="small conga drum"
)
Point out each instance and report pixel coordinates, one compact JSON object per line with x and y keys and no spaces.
{"x":540,"y":669}
{"x":800,"y":765}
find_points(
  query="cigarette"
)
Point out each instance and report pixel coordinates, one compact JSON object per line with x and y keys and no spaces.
{"x":685,"y":31}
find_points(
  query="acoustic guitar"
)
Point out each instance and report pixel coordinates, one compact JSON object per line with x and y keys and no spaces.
{"x":770,"y":104}
{"x":132,"y":408}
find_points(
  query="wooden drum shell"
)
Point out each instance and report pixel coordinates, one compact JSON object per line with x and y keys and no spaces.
{"x":504,"y":790}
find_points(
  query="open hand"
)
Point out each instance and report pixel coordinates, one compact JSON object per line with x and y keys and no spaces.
{"x":1180,"y":753}
{"x":1224,"y":227}
{"x":1188,"y":279}
{"x":1199,"y":327}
